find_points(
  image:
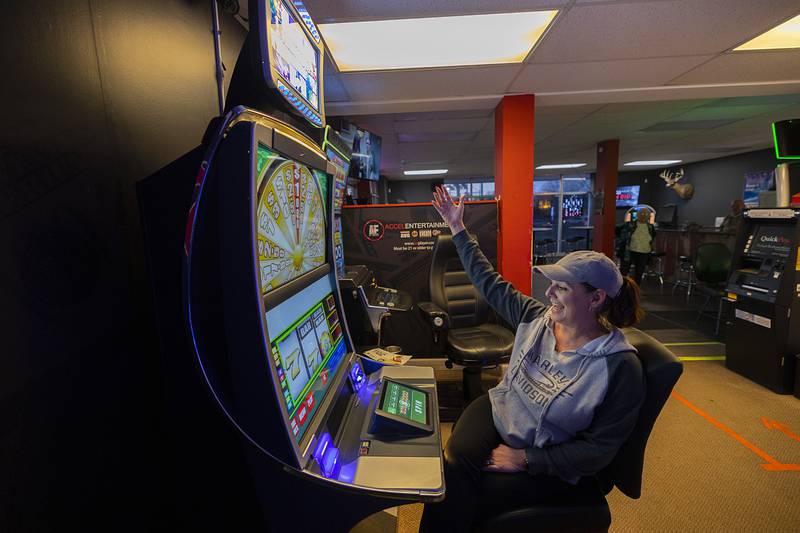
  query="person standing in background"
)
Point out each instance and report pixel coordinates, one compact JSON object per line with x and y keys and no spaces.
{"x":636,"y":243}
{"x":730,"y":224}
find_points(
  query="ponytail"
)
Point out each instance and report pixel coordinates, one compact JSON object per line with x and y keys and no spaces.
{"x":624,"y":311}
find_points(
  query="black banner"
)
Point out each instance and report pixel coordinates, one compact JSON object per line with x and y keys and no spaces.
{"x":395,"y":241}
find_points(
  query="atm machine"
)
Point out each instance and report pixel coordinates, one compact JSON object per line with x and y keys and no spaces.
{"x":765,"y":286}
{"x":327,"y":444}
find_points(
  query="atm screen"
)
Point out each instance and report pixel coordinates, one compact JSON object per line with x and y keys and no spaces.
{"x":307,"y":347}
{"x":409,"y":403}
{"x":772,"y":240}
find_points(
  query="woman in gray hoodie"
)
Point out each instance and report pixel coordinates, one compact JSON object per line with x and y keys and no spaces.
{"x":572,"y":392}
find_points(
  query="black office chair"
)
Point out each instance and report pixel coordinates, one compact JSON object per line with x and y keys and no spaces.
{"x":458,"y":315}
{"x":711,"y":266}
{"x":585,"y":508}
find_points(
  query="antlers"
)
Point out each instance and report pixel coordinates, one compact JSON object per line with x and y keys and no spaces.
{"x":672,"y":178}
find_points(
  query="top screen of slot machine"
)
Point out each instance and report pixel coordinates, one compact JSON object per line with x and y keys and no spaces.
{"x":295,"y":58}
{"x":290,"y":218}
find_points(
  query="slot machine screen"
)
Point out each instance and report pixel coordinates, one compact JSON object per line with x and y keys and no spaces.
{"x":339,"y":179}
{"x":307,"y":349}
{"x":296,"y":59}
{"x":290,"y":218}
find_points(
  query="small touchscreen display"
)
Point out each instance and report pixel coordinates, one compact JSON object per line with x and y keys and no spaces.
{"x":406,"y":402}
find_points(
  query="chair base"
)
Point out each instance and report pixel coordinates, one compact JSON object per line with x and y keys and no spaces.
{"x":584,"y":510}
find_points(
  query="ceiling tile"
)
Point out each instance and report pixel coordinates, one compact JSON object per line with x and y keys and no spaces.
{"x":657,"y":29}
{"x":428,"y":136}
{"x":741,"y":67}
{"x":441,"y":83}
{"x":595,"y":75}
{"x":469,"y":125}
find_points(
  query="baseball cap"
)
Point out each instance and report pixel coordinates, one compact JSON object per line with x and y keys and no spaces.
{"x":585,"y":266}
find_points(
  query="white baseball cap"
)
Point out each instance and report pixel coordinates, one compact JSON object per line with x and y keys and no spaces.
{"x":585,"y":266}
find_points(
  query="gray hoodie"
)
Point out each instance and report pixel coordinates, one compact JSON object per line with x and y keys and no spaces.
{"x":570,"y":411}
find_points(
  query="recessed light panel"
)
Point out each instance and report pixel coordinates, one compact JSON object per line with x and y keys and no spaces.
{"x":657,"y":162}
{"x":786,"y":35}
{"x":435,"y":42}
{"x":432,"y":172}
{"x":561,"y":165}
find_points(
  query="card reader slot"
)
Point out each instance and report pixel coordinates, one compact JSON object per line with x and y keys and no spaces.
{"x":754,"y":288}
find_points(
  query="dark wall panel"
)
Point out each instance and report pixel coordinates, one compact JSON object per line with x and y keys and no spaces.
{"x":97,"y":94}
{"x":716,"y":183}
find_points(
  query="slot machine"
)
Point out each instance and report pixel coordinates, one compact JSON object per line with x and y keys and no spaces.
{"x":264,"y":310}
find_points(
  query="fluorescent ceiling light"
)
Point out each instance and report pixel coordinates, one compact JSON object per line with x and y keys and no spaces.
{"x":657,"y":162}
{"x":786,"y":35}
{"x":435,"y":42}
{"x":433,"y":172}
{"x":562,"y":165}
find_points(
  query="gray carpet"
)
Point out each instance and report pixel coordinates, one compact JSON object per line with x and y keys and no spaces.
{"x":700,"y":478}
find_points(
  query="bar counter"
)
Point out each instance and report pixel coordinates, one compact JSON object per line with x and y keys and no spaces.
{"x":678,"y":242}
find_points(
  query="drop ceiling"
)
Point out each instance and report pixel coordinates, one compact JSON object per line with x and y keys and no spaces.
{"x":658,"y":75}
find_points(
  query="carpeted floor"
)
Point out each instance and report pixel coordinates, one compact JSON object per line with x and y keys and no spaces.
{"x":704,"y":464}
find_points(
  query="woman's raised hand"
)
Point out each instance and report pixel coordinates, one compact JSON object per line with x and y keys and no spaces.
{"x":450,"y":211}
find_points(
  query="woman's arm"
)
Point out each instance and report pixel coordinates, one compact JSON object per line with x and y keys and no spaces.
{"x":512,"y":305}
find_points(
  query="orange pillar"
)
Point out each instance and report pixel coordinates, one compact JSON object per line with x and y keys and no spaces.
{"x":513,"y":178}
{"x":605,"y":187}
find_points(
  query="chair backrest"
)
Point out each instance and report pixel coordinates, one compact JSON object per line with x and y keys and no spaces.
{"x":712,"y":262}
{"x":662,"y":370}
{"x":451,"y":288}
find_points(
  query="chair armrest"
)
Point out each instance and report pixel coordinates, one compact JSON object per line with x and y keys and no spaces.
{"x":435,"y":315}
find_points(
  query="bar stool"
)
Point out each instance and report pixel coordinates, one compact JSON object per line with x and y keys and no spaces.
{"x":684,"y":276}
{"x":543,"y":250}
{"x":655,"y":268}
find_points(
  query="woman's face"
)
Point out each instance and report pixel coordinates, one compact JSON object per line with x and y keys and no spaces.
{"x":572,"y":303}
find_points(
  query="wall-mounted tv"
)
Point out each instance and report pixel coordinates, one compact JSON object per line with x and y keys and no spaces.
{"x":366,"y":160}
{"x":628,"y":196}
{"x":291,"y":54}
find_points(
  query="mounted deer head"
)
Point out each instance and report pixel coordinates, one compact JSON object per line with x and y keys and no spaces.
{"x":684,"y":190}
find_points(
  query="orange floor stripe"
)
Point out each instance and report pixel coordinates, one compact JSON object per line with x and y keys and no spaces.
{"x":772,"y":465}
{"x":783,"y":428}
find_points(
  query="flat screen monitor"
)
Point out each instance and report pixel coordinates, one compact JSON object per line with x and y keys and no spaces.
{"x":290,"y":218}
{"x":786,"y":136}
{"x":366,"y":161}
{"x":667,"y":215}
{"x":628,"y":195}
{"x":771,"y":240}
{"x":291,"y":56}
{"x":307,"y":348}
